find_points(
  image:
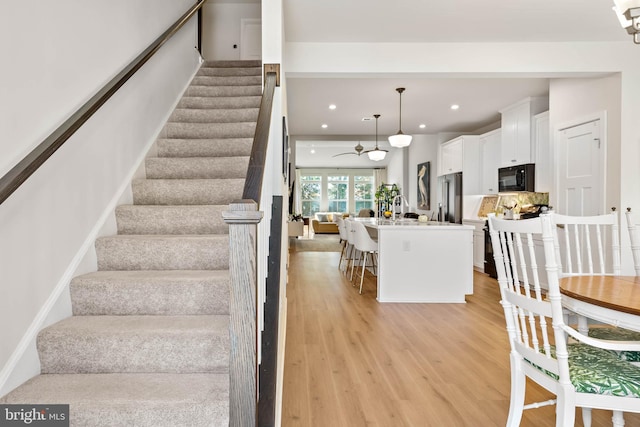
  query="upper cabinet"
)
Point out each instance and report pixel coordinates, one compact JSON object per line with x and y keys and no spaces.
{"x":450,"y":158}
{"x":490,"y":151}
{"x":462,"y":154}
{"x":544,"y":154}
{"x":518,"y":131}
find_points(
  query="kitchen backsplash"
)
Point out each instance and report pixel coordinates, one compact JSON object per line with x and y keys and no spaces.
{"x":515,"y":201}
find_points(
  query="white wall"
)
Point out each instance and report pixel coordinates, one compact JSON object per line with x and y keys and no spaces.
{"x":56,"y":55}
{"x":578,"y":99}
{"x":395,"y":169}
{"x":221,"y":28}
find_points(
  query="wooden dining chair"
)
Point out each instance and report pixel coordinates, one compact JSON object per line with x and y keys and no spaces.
{"x":578,"y":369}
{"x":588,"y":246}
{"x":633,"y":225}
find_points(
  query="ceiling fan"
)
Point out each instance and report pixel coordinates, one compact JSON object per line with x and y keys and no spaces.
{"x":376,"y":154}
{"x":358,"y":151}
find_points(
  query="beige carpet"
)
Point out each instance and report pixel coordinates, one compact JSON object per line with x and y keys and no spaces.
{"x":316,"y":243}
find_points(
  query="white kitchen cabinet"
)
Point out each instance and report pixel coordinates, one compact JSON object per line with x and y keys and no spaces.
{"x":451,"y":153}
{"x":478,"y":243}
{"x":490,"y":149}
{"x":462,"y":154}
{"x":518,"y":132}
{"x":544,"y":154}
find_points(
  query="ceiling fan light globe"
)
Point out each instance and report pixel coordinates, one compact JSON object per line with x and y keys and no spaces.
{"x":376,"y":155}
{"x":400,"y":140}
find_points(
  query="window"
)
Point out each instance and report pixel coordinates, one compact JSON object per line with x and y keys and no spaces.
{"x":335,"y":190}
{"x":310,"y":194}
{"x":338,"y":193}
{"x":364,"y":194}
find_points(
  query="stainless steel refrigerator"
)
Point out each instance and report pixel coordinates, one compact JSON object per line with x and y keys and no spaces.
{"x":451,"y":198}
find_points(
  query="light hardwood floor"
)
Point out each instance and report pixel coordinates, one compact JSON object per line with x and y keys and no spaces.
{"x":351,"y":361}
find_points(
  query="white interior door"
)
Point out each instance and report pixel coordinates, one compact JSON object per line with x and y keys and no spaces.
{"x":581,"y":169}
{"x":250,"y":39}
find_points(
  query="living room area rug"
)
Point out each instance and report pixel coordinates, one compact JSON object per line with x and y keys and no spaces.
{"x":315,"y":243}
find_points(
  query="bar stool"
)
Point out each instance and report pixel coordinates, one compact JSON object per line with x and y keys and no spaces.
{"x":366,"y":245}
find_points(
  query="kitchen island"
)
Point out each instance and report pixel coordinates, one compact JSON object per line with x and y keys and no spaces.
{"x":424,"y":262}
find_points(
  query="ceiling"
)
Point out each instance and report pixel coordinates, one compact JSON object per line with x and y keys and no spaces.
{"x":426,"y":100}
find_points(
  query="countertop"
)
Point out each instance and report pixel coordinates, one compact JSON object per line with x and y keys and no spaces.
{"x":413,"y":224}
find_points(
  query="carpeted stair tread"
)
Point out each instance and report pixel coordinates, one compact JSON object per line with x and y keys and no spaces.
{"x":168,"y":219}
{"x":232,"y":64}
{"x":109,"y":344}
{"x":165,"y":292}
{"x":148,"y":343}
{"x":219,"y":102}
{"x":210,"y":130}
{"x":233,"y":80}
{"x":163,"y":252}
{"x":204,"y":147}
{"x":186,"y":191}
{"x":141,"y":400}
{"x":189,"y":115}
{"x":196,"y":167}
{"x":198,"y":90}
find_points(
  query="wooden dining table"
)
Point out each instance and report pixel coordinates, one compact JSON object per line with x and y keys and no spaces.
{"x":614,"y":300}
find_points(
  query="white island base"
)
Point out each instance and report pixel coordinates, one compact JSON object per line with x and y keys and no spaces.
{"x":424,"y":262}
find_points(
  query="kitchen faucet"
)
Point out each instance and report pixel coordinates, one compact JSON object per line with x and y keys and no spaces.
{"x":393,"y":204}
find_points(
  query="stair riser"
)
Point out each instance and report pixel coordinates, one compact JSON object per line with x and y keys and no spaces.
{"x":226,"y":102}
{"x":186,"y":192}
{"x":230,"y":71}
{"x":96,"y":351}
{"x":207,"y":80}
{"x":193,"y":167}
{"x":162,"y":253}
{"x":232,"y":64}
{"x":159,"y":299}
{"x":141,"y":219}
{"x":223,"y":91}
{"x":183,"y":115}
{"x":210,"y":130}
{"x":204,"y":147}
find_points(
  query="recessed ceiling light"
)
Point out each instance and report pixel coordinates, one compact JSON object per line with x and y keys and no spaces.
{"x":313,"y":151}
{"x":455,"y":106}
{"x":332,"y":107}
{"x":422,"y":126}
{"x":324,"y":126}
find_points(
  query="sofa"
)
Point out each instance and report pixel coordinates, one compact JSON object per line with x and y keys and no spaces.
{"x":325,"y":222}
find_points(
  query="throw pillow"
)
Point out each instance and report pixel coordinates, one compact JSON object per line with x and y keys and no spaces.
{"x":330,"y":217}
{"x":321,"y":217}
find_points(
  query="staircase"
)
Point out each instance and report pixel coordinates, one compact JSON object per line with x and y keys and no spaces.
{"x":148,"y":342}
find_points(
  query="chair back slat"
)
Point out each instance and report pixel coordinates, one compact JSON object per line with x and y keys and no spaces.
{"x":591,"y":244}
{"x":634,"y":237}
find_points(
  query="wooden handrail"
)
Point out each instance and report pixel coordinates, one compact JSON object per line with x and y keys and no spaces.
{"x":253,"y":184}
{"x":32,"y":161}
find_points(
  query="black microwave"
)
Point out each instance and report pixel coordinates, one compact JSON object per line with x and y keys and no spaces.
{"x":517,"y":178}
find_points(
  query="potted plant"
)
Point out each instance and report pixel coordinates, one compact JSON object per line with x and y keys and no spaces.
{"x":384,"y":197}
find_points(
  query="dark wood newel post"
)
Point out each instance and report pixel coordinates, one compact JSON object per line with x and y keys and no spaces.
{"x":242,"y":217}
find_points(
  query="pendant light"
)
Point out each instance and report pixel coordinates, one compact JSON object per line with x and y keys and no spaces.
{"x":400,"y":140}
{"x":376,"y":154}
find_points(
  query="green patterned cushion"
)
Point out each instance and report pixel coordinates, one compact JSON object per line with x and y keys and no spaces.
{"x":618,"y":334}
{"x":597,"y":371}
